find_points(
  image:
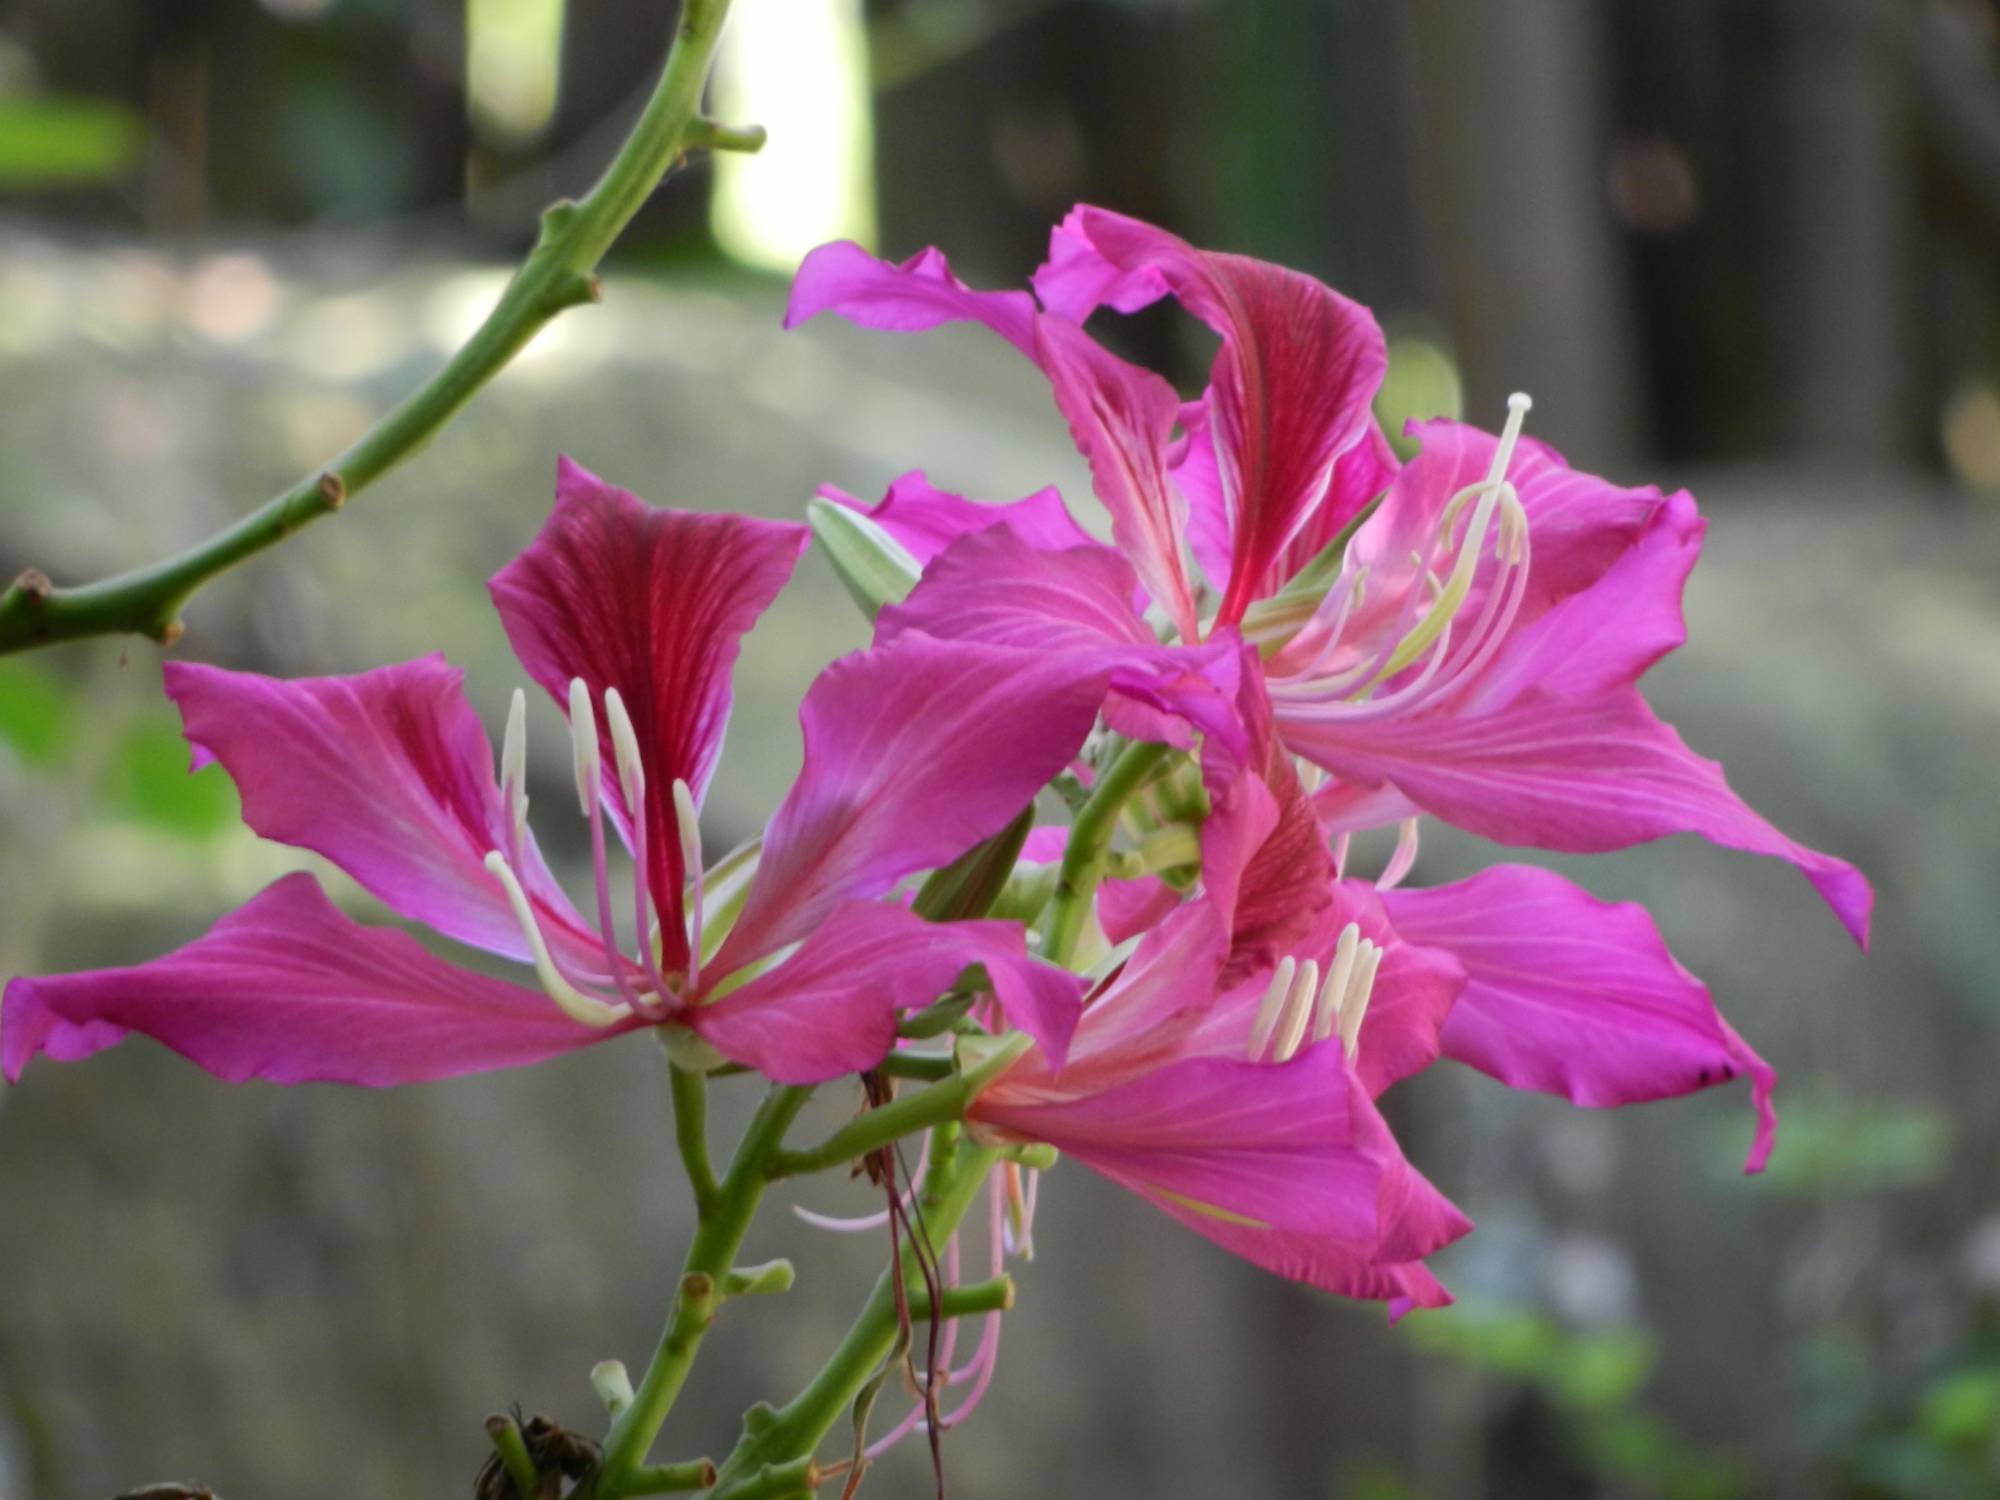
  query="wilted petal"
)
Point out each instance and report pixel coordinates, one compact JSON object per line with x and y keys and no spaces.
{"x":1578,"y":775}
{"x":1575,"y":996}
{"x":1291,"y":389}
{"x":289,"y":990}
{"x":654,"y":603}
{"x":908,"y":298}
{"x":914,"y":752}
{"x":389,"y":774}
{"x":926,"y":520}
{"x":831,"y":1008}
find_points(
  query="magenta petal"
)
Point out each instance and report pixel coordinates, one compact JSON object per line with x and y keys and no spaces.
{"x":1122,"y":420}
{"x":289,"y":990}
{"x":389,"y":774}
{"x":1076,"y":604}
{"x":654,"y":603}
{"x":1575,"y":996}
{"x":1290,"y":392}
{"x":830,"y":1009}
{"x":914,"y":752}
{"x":926,"y":520}
{"x":908,"y":298}
{"x":1583,"y":776}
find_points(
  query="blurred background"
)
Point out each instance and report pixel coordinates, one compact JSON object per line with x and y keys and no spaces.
{"x":1751,"y":246}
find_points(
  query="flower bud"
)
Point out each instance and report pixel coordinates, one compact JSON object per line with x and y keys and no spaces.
{"x":874,"y":566}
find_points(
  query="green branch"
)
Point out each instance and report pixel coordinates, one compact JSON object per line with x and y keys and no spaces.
{"x":559,"y":273}
{"x":1087,"y":859}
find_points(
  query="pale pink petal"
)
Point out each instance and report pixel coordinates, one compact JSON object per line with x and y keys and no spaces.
{"x":926,"y":520}
{"x":389,"y":774}
{"x":830,"y":1009}
{"x":914,"y":752}
{"x":1291,"y":389}
{"x":918,"y":294}
{"x":289,"y":990}
{"x":1578,"y":775}
{"x":1575,"y":996}
{"x":654,"y":603}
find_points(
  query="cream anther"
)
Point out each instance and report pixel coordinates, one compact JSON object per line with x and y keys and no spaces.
{"x":514,"y":762}
{"x":1298,"y":1011}
{"x":625,"y":747}
{"x":1273,"y":1006}
{"x":574,"y":1003}
{"x":1354,"y":1008}
{"x":1339,"y":970}
{"x":583,"y":744}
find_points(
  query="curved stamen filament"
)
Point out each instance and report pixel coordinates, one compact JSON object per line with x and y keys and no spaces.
{"x":632,"y":782}
{"x":1402,"y":860}
{"x":578,"y":1006}
{"x":689,"y":822}
{"x":590,"y":797}
{"x":514,"y":774}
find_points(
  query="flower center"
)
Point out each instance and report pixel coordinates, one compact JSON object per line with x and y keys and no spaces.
{"x":638,"y":981}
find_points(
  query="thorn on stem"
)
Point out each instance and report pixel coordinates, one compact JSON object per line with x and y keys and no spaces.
{"x":332,"y":490}
{"x":171,"y":632}
{"x":34,"y":585}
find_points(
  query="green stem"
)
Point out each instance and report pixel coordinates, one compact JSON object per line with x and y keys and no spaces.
{"x":1088,"y":857}
{"x":690,"y":1092}
{"x":513,"y":1450}
{"x":559,"y":273}
{"x":778,"y":1442}
{"x":942,"y":1103}
{"x":670,"y":1479}
{"x":718,"y":1235}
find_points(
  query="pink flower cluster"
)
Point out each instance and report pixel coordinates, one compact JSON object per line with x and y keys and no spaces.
{"x":1353,"y":643}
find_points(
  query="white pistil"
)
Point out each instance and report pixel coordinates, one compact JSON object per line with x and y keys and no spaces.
{"x":1354,"y":1008}
{"x":514,"y":766}
{"x":689,"y":821}
{"x":1338,"y":972}
{"x":1298,"y":1011}
{"x":583,"y":745}
{"x":1273,"y":1006}
{"x":1402,"y":860}
{"x":575,"y":1004}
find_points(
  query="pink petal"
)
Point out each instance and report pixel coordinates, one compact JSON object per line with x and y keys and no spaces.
{"x":914,"y":752}
{"x":289,"y":990}
{"x":926,"y":520}
{"x":1122,"y":420}
{"x":920,"y":293}
{"x":654,"y":603}
{"x":996,"y":587}
{"x":389,"y":775}
{"x":831,"y":1008}
{"x":1575,"y":996}
{"x":1579,"y":775}
{"x":1290,"y":391}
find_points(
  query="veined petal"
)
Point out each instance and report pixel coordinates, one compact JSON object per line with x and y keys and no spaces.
{"x":926,"y":520}
{"x":289,"y":990}
{"x":654,"y":603}
{"x":389,"y":774}
{"x":1578,"y":775}
{"x":914,"y":752}
{"x":1575,"y":996}
{"x":920,"y":293}
{"x":1076,"y":604}
{"x":831,"y":1008}
{"x":1122,"y":420}
{"x":1291,"y":389}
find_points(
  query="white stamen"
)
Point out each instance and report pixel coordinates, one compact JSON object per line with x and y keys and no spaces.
{"x":1402,"y":860}
{"x":1298,"y":1011}
{"x":1354,"y":1009}
{"x":1339,"y":970}
{"x":689,"y":822}
{"x":583,"y":744}
{"x":1340,"y":843}
{"x":1274,"y":1003}
{"x":575,"y":1004}
{"x":1518,"y":406}
{"x":514,"y":762}
{"x":625,"y":747}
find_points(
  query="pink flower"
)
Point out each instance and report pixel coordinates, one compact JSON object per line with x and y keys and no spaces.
{"x":631,"y":617}
{"x":1472,"y":652}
